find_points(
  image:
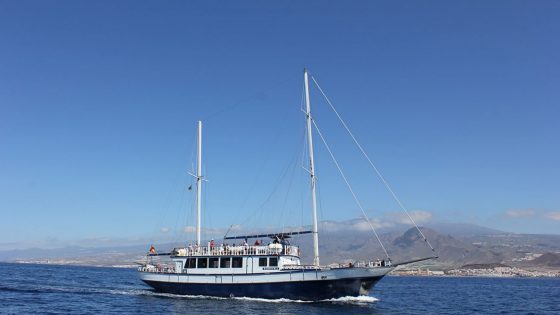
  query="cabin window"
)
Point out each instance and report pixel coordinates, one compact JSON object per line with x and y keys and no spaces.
{"x":214,"y":262}
{"x":225,"y":262}
{"x":273,"y":261}
{"x":191,"y":263}
{"x":202,"y":263}
{"x":237,"y":262}
{"x":262,"y":262}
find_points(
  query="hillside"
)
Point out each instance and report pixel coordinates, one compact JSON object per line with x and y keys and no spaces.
{"x":470,"y":246}
{"x":548,"y":260}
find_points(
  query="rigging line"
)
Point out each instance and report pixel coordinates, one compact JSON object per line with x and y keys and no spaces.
{"x":324,"y":236}
{"x":293,"y":166}
{"x":166,"y":206}
{"x":260,"y":171}
{"x":293,"y":160}
{"x":350,"y":187}
{"x":387,"y":186}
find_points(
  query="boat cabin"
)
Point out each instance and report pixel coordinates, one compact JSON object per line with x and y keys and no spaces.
{"x":235,"y":259}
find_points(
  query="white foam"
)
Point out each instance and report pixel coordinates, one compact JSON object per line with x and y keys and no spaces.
{"x":206,"y":297}
{"x":362,"y":299}
{"x":282,"y":300}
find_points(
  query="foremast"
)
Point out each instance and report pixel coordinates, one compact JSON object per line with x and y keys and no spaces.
{"x":198,"y":181}
{"x":311,"y":170}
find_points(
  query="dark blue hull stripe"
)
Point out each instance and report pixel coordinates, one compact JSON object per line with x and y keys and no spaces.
{"x":294,"y":290}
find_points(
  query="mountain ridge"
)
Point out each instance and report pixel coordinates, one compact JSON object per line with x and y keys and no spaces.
{"x":470,"y":245}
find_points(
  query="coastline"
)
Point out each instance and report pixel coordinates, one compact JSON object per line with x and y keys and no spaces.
{"x":497,"y":272}
{"x":500,"y":272}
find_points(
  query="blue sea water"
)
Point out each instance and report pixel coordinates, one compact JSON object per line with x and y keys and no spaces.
{"x":31,"y":289}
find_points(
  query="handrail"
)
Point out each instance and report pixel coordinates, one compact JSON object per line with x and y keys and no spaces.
{"x":414,"y":261}
{"x":278,"y":249}
{"x":155,"y":269}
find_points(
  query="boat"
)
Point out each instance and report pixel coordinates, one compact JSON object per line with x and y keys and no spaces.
{"x":269,"y":271}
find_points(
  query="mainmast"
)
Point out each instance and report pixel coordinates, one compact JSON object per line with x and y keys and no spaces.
{"x":311,"y":171}
{"x":198,"y":181}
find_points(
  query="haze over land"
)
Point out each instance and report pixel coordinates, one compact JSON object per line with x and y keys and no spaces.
{"x":456,"y":245}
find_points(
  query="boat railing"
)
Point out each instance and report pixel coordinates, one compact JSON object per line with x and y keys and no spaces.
{"x":364,"y":264}
{"x":357,"y":264}
{"x":156,"y":269}
{"x":302,"y":267}
{"x":272,"y":249}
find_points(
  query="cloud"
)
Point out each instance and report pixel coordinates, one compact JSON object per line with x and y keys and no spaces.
{"x":213,"y":231}
{"x":553,"y":215}
{"x":232,"y":228}
{"x":376,"y":223}
{"x":355,"y":224}
{"x":165,"y":230}
{"x":389,"y":220}
{"x":364,"y":225}
{"x":419,"y":216}
{"x":189,"y":229}
{"x":520,"y":213}
{"x":533,"y":213}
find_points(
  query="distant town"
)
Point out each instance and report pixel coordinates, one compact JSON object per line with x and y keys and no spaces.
{"x":463,"y":251}
{"x":490,"y":270}
{"x":499,"y":272}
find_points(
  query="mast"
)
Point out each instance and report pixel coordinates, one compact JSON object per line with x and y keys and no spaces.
{"x":311,"y":171}
{"x":198,"y":181}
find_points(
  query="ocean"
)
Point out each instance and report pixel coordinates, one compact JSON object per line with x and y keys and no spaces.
{"x":49,"y":289}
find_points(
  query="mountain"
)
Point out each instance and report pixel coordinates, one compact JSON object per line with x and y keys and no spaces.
{"x":548,"y":260}
{"x":456,"y":245}
{"x":450,"y":251}
{"x":463,"y":229}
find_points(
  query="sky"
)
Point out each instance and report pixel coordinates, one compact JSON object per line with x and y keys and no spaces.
{"x":457,"y":103}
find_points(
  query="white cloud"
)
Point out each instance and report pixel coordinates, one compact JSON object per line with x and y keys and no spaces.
{"x":376,"y":223}
{"x":164,"y":230}
{"x":389,"y":220}
{"x":213,"y":231}
{"x":189,"y":229}
{"x":235,"y":227}
{"x":356,"y":224}
{"x":362,"y":225}
{"x":419,"y":216}
{"x":520,"y":213}
{"x":527,"y":213}
{"x":553,"y":215}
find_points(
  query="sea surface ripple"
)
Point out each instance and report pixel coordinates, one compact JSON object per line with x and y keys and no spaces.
{"x":49,"y":289}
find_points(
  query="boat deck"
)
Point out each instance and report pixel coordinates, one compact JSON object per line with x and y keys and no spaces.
{"x":242,"y":250}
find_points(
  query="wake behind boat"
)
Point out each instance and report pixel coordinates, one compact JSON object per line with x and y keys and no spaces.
{"x":272,"y":270}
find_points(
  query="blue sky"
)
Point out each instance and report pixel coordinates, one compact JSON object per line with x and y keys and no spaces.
{"x":457,"y":102}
